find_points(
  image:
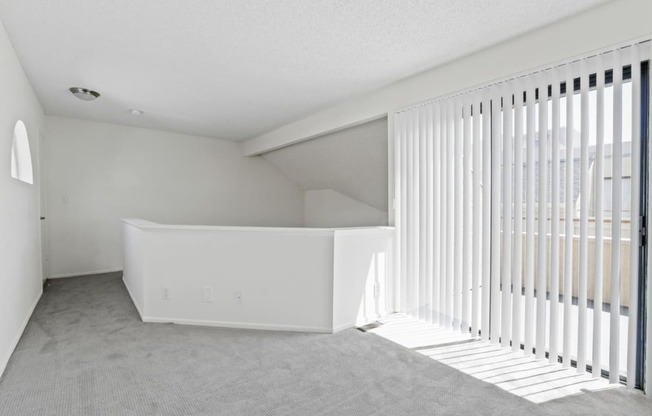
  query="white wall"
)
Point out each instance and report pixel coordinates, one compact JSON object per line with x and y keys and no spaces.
{"x":20,"y":253}
{"x":362,"y":276}
{"x":352,"y":161}
{"x":285,"y":275}
{"x":328,"y":208}
{"x":614,"y":22}
{"x":134,"y":265}
{"x":99,"y":173}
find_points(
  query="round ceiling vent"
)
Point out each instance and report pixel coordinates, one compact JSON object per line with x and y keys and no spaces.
{"x":84,"y":94}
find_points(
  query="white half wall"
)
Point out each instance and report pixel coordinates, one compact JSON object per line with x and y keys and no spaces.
{"x":327,"y":208}
{"x":99,"y":173}
{"x":612,"y":23}
{"x":134,"y":263}
{"x":293,"y":279}
{"x":362,"y":276}
{"x":20,"y":252}
{"x":283,"y":275}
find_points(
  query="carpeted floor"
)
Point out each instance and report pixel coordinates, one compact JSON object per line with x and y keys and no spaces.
{"x":85,"y":352}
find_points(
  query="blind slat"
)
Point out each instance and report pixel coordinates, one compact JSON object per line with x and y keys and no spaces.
{"x":458,"y":233}
{"x":530,"y":251}
{"x":495,"y":215}
{"x":568,"y":243}
{"x":421,"y":209}
{"x":451,"y":214}
{"x":398,"y":197}
{"x":542,"y":223}
{"x":443,"y":294}
{"x":477,"y":204}
{"x":486,"y":215}
{"x":466,"y":225}
{"x":518,"y":220}
{"x":414,"y":291}
{"x":553,"y":352}
{"x":599,"y":220}
{"x":617,"y":170}
{"x":405,"y":266}
{"x":437,"y":233}
{"x":506,"y":273}
{"x":427,"y":252}
{"x":584,"y":219}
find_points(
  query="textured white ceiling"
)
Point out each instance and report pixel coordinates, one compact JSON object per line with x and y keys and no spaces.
{"x":352,"y":162}
{"x":234,"y":69}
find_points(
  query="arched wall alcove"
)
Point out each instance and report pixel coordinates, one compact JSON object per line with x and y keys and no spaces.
{"x":21,"y":156}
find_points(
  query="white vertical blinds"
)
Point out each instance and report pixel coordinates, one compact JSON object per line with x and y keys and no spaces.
{"x":518,"y":212}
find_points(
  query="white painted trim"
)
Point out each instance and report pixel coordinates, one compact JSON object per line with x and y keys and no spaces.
{"x":5,"y":360}
{"x":258,"y":145}
{"x":149,"y":226}
{"x":365,"y":231}
{"x":239,"y":325}
{"x":343,"y":327}
{"x":60,"y":276}
{"x":226,"y":324}
{"x":133,"y":300}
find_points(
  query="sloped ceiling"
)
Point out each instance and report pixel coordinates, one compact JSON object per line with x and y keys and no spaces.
{"x":235,"y":69}
{"x":352,"y":162}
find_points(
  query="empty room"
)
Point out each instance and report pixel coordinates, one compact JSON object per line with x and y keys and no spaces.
{"x":337,"y":207}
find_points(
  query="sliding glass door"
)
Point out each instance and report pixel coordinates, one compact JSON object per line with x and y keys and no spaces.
{"x":521,"y":209}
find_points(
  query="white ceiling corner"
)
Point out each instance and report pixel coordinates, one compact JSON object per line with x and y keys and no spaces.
{"x":351,"y":161}
{"x":235,"y":69}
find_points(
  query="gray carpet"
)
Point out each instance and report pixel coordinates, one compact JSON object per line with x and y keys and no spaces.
{"x":85,"y":352}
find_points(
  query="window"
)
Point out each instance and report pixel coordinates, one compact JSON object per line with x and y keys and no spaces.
{"x":21,"y":157}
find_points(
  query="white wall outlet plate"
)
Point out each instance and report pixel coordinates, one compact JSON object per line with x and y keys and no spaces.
{"x":207,"y":294}
{"x":165,"y":292}
{"x":237,"y":297}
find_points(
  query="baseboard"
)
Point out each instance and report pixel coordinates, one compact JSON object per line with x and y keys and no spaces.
{"x":343,"y":327}
{"x":59,"y":276}
{"x":224,"y":324}
{"x":240,"y":325}
{"x":133,"y":300}
{"x":5,"y":360}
